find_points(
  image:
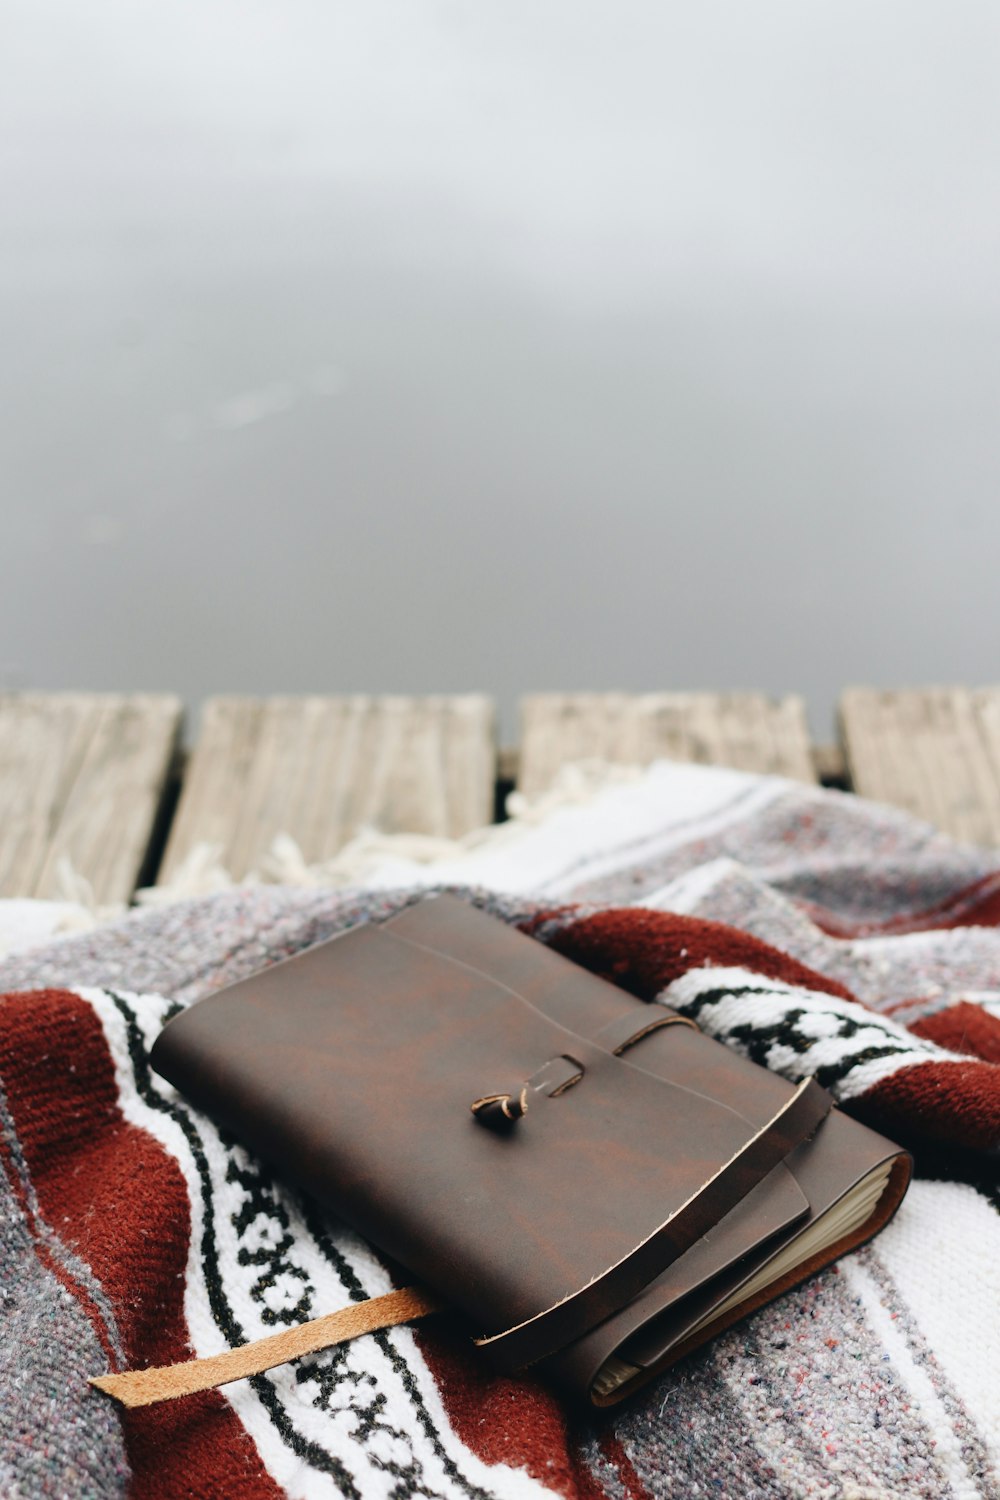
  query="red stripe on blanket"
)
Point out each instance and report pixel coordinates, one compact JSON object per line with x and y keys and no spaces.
{"x":946,"y":1102}
{"x":613,"y":1450}
{"x":51,"y":1263}
{"x":113,"y":1194}
{"x":506,"y":1420}
{"x":975,"y":905}
{"x":963,"y":1027}
{"x":643,"y":951}
{"x":942,"y":1103}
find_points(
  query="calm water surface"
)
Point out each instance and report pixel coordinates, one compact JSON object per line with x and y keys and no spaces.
{"x":430,"y":347}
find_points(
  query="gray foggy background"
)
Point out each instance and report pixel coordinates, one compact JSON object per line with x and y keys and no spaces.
{"x":432,"y":346}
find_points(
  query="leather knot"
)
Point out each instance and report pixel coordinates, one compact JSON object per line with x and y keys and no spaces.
{"x":501,"y":1111}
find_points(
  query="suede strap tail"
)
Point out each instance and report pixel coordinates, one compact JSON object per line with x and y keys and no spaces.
{"x":143,"y":1387}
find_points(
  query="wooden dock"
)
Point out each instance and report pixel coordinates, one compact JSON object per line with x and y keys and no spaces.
{"x":98,"y":782}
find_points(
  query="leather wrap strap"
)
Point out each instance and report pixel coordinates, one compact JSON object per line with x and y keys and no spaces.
{"x":557,"y":1326}
{"x":531,"y":1340}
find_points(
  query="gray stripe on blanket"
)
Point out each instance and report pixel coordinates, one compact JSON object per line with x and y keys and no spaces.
{"x":189,"y":949}
{"x":686,"y":1435}
{"x":974,"y":1452}
{"x":813,"y":1382}
{"x":57,"y":1437}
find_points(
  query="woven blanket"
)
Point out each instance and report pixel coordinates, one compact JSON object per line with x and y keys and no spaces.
{"x":813,"y":932}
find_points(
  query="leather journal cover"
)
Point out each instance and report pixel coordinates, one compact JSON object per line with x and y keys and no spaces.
{"x":593,"y":1183}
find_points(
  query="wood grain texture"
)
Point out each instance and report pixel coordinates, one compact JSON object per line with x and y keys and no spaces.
{"x":320,"y":769}
{"x":82,"y":778}
{"x":933,"y":751}
{"x":745,"y":730}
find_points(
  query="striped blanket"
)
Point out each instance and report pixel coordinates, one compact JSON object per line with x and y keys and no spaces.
{"x":816,"y":933}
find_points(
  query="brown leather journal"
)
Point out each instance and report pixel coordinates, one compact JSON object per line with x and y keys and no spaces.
{"x":593,"y":1183}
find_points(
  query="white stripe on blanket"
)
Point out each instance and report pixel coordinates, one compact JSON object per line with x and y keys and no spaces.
{"x":337,"y":1437}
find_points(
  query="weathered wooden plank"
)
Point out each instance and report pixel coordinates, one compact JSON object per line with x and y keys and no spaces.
{"x":42,"y":741}
{"x":933,"y":751}
{"x":82,"y":777}
{"x":745,"y":730}
{"x":320,"y":769}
